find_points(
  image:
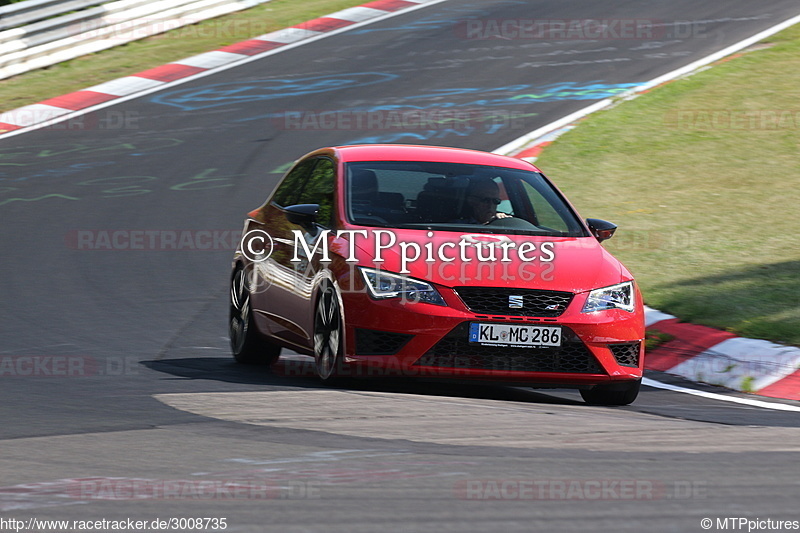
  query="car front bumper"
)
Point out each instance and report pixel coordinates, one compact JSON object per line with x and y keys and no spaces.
{"x":394,"y":338}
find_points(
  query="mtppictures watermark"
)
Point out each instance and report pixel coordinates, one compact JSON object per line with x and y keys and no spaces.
{"x":738,"y":523}
{"x":256,"y":245}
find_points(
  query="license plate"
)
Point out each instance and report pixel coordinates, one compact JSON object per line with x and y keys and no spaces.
{"x":515,"y":334}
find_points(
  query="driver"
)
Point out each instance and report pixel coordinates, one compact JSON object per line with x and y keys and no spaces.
{"x":483,"y":197}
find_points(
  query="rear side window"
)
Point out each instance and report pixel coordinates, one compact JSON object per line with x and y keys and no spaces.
{"x":319,"y":188}
{"x":289,"y":190}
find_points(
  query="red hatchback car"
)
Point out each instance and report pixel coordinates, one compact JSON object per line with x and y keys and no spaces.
{"x":435,"y":262}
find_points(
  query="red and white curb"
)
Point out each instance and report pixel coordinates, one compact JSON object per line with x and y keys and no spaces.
{"x":698,"y":353}
{"x":709,"y":355}
{"x":60,"y":108}
{"x":531,"y":153}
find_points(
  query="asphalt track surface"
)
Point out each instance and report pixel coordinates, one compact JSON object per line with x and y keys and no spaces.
{"x":151,"y":393}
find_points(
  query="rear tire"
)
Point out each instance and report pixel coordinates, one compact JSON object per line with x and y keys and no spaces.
{"x":247,"y":346}
{"x":612,"y":395}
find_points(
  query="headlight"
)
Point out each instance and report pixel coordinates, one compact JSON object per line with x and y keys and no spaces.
{"x":383,"y":285}
{"x":613,"y":297}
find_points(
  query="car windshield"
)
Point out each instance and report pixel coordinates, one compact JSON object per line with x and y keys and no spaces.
{"x":456,"y":197}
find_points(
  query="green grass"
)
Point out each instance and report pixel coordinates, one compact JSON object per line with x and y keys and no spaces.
{"x":707,"y":210}
{"x":136,"y":56}
{"x":653,"y":339}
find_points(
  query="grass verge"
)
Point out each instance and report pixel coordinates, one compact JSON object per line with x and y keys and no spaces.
{"x":703,"y":177}
{"x":157,"y":50}
{"x":653,"y":339}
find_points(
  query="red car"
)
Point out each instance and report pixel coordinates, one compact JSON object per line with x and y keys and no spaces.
{"x":435,"y":262}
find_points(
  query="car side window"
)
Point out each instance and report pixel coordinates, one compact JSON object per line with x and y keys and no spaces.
{"x":318,"y":189}
{"x":289,"y":190}
{"x":545,"y":214}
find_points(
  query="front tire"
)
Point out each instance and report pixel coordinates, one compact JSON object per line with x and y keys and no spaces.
{"x":612,"y":395}
{"x":328,"y":336}
{"x":247,"y":346}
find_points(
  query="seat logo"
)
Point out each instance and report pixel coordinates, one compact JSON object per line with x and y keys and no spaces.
{"x":515,"y":302}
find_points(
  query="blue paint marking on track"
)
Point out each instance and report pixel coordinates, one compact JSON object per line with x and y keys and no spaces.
{"x":519,"y":95}
{"x":406,"y":136}
{"x":9,"y":200}
{"x":221,"y":94}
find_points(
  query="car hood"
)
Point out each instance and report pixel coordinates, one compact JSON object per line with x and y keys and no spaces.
{"x":552,"y":263}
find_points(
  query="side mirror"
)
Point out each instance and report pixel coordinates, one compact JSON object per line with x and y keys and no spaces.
{"x":601,"y":229}
{"x":304,"y":215}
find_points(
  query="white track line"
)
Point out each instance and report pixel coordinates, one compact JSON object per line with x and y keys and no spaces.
{"x":721,"y":397}
{"x":520,"y":142}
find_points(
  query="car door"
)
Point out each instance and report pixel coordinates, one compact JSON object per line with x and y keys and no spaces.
{"x":289,"y":273}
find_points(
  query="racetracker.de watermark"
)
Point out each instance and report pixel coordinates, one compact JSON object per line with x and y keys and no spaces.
{"x":596,"y":29}
{"x":733,"y":119}
{"x":191,"y":490}
{"x":49,"y":117}
{"x":578,"y":489}
{"x":66,"y":366}
{"x":388,"y":369}
{"x":398,"y":120}
{"x":152,"y":240}
{"x":121,"y":29}
{"x":33,"y":523}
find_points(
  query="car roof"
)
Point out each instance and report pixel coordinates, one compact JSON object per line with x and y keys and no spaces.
{"x":405,"y":152}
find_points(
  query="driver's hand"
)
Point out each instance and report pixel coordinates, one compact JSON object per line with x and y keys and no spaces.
{"x":496,"y":216}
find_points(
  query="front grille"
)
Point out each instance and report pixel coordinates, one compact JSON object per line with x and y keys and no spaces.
{"x":626,"y":354}
{"x":455,"y":351}
{"x":495,"y":301}
{"x":375,"y":342}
